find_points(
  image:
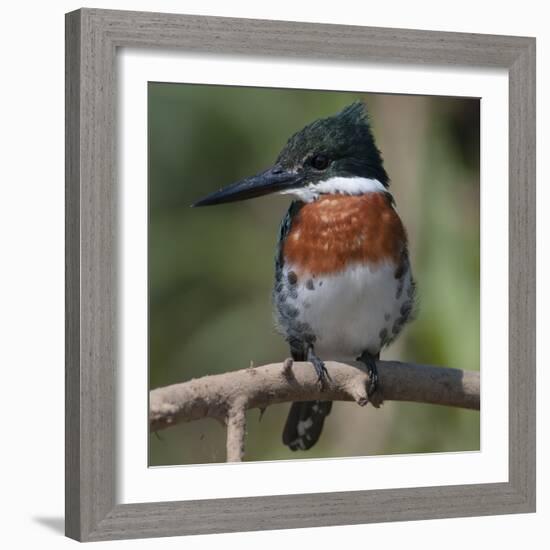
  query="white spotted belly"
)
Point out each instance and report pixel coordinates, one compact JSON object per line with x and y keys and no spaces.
{"x":361,"y":308}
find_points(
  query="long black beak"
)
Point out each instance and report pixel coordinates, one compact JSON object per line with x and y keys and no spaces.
{"x":272,"y":180}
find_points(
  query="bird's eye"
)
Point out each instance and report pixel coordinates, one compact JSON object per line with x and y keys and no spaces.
{"x":320,"y":162}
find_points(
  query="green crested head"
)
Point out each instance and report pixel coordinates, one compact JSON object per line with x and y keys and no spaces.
{"x":341,"y":145}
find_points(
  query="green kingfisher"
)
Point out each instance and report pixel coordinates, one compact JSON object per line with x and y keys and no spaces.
{"x":343,"y":282}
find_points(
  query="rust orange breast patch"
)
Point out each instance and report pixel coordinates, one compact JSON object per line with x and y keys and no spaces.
{"x":336,"y":230}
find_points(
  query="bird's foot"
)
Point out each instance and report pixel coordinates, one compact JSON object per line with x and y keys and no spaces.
{"x":320,"y":369}
{"x":287,"y":367}
{"x":373,"y":390}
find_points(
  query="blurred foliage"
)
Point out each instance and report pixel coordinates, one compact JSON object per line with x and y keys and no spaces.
{"x":211,"y":269}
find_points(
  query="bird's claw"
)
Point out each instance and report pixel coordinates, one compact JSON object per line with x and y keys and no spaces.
{"x":322,"y":373}
{"x":373,"y":383}
{"x":370,"y":363}
{"x":320,"y":369}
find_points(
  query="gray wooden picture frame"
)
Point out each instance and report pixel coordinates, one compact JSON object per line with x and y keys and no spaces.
{"x":92,"y":39}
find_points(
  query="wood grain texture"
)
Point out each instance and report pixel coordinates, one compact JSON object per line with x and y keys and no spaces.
{"x":253,"y":37}
{"x":307,"y":510}
{"x":91,"y":282}
{"x":522,"y":275}
{"x":72,"y":278}
{"x":92,"y":37}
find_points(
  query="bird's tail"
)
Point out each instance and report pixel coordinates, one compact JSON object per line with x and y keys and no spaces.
{"x":304,"y":423}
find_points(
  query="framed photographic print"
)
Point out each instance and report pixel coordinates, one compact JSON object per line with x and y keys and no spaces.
{"x":300,"y":275}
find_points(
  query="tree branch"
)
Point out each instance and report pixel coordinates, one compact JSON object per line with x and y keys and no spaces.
{"x":227,"y":396}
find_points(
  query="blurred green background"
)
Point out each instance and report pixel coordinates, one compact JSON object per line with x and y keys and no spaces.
{"x":211,"y":269}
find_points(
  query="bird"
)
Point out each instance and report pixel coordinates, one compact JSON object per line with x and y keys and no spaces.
{"x":344,"y":287}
